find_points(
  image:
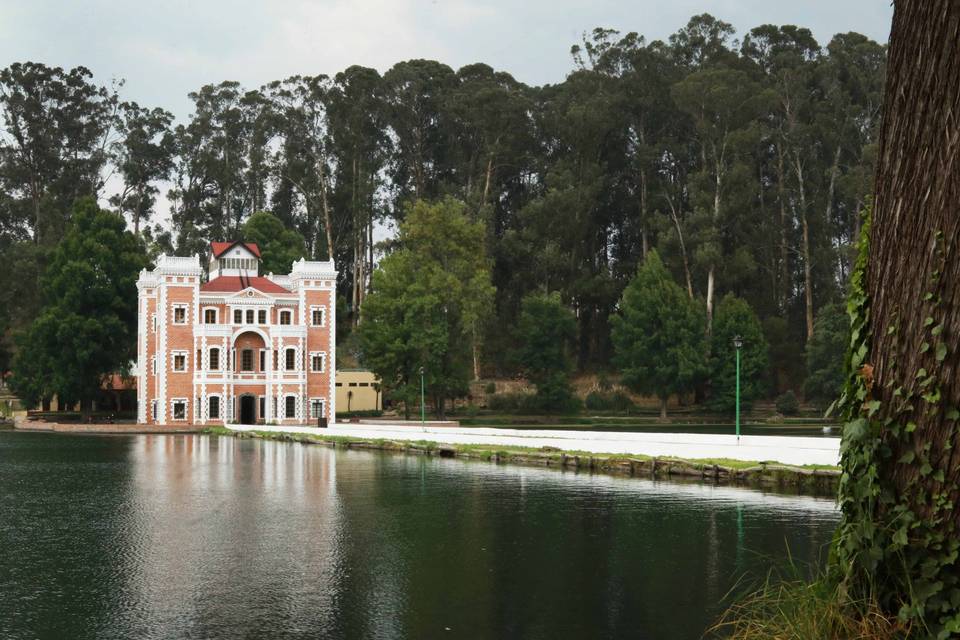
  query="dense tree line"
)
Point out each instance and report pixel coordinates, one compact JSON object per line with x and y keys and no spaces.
{"x":744,"y":163}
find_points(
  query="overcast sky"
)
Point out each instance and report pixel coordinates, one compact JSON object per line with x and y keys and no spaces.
{"x":167,"y":48}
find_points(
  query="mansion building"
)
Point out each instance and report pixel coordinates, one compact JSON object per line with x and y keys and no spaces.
{"x":232,"y":346}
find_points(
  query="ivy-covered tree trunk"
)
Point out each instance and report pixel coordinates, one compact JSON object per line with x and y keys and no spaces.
{"x":900,"y":495}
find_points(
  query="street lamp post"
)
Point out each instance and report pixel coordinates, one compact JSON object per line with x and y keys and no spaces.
{"x":423,"y":414}
{"x":738,"y":343}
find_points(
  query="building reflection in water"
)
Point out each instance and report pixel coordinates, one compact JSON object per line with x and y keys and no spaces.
{"x":213,"y":513}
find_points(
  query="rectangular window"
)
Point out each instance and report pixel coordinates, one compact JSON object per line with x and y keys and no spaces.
{"x":153,"y":364}
{"x":246,"y":360}
{"x":276,"y":361}
{"x":153,"y":410}
{"x":316,"y":362}
{"x":263,"y":408}
{"x":196,"y":409}
{"x":316,"y":408}
{"x":291,"y":407}
{"x":214,"y":359}
{"x":237,"y":316}
{"x":214,"y":402}
{"x":180,"y":409}
{"x":262,"y":316}
{"x":179,"y":362}
{"x":210,"y":316}
{"x":263,"y":360}
{"x":249,"y":316}
{"x":180,"y":315}
{"x":198,"y":364}
{"x":284,"y":317}
{"x":291,"y":356}
{"x":316,"y":317}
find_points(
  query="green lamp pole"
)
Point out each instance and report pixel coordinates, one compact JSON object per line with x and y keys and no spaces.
{"x":423,"y":414}
{"x":738,"y":343}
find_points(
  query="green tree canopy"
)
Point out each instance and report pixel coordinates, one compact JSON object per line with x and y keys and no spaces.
{"x":427,"y":298}
{"x":825,"y":352}
{"x":279,"y":246}
{"x":547,"y":329}
{"x":735,"y":317}
{"x":658,"y":335}
{"x":88,"y":325}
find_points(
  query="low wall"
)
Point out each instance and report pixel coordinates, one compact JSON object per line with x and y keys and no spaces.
{"x":121,"y":427}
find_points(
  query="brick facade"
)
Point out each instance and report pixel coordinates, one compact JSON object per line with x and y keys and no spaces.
{"x":228,"y":345}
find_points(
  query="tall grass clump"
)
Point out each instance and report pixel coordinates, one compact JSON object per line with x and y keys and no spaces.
{"x":789,"y":606}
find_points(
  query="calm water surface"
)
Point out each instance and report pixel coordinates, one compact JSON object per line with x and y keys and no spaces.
{"x":205,"y":537}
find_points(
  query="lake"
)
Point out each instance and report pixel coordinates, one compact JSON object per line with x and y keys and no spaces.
{"x":189,"y":536}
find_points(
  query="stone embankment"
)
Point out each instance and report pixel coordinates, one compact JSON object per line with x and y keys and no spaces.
{"x":23,"y":424}
{"x":812,"y":479}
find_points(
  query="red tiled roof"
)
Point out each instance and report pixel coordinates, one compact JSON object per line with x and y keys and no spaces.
{"x":219,"y":248}
{"x":239,"y":283}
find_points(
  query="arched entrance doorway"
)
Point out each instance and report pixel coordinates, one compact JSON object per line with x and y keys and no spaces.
{"x":248,"y":409}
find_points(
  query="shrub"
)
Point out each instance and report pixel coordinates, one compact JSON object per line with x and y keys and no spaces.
{"x":533,"y":403}
{"x":504,"y":401}
{"x":603,"y":382}
{"x":787,"y":403}
{"x":615,"y":401}
{"x":490,"y":388}
{"x":596,"y":401}
{"x":367,"y":413}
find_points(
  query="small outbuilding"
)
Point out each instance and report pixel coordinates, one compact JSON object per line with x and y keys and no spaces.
{"x":358,"y":390}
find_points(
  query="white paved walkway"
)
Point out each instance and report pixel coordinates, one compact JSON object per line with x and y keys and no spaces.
{"x":690,"y":446}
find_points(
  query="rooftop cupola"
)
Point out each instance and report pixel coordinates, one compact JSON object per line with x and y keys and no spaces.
{"x":234,"y":259}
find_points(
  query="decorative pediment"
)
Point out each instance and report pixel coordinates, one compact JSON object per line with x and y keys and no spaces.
{"x":249,"y":294}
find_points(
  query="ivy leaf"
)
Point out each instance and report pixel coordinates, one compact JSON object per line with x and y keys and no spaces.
{"x":899,"y":537}
{"x":937,"y":330}
{"x":907,"y":458}
{"x":854,"y":430}
{"x":953,"y":413}
{"x":925,"y":469}
{"x":928,"y":321}
{"x":925,"y":347}
{"x":941,"y":352}
{"x":872,"y":407}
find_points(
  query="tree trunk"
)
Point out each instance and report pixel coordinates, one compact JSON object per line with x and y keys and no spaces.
{"x":784,"y":247}
{"x":711,"y":272}
{"x":805,"y":248}
{"x":898,"y":536}
{"x":663,"y":408}
{"x":645,"y":246}
{"x":683,"y":251}
{"x":831,"y":188}
{"x":488,"y":179}
{"x":327,"y":224}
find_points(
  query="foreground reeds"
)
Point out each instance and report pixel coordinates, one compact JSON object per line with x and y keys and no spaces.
{"x":798,"y":609}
